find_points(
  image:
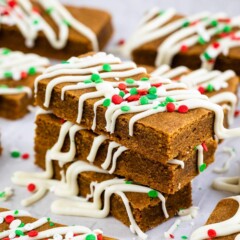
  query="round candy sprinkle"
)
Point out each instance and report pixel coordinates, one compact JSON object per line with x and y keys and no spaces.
{"x":212,"y":233}
{"x":152,"y":90}
{"x":133,"y":91}
{"x":156,"y":85}
{"x":125,"y":108}
{"x":183,"y":109}
{"x":142,"y":92}
{"x":99,"y":237}
{"x":201,"y":40}
{"x":5,"y":51}
{"x":202,"y":167}
{"x":130,"y":81}
{"x":186,"y":24}
{"x":19,"y":232}
{"x":15,"y":154}
{"x":9,"y":219}
{"x":7,"y":74}
{"x":133,"y":98}
{"x":32,"y":71}
{"x":227,"y":29}
{"x":31,"y":187}
{"x":106,"y":68}
{"x":214,"y":23}
{"x":95,"y":77}
{"x":122,"y":93}
{"x":216,"y":45}
{"x":121,"y":42}
{"x":144,"y":79}
{"x":116,"y":99}
{"x":90,"y":237}
{"x":184,"y":48}
{"x":210,"y":88}
{"x":152,"y":96}
{"x":32,"y":233}
{"x":12,"y":3}
{"x":88,"y":81}
{"x":106,"y":102}
{"x":169,"y":99}
{"x":23,"y":75}
{"x":153,"y":194}
{"x":143,"y":100}
{"x":170,"y":107}
{"x":128,"y":182}
{"x":171,"y":236}
{"x":184,"y":237}
{"x":122,"y":86}
{"x":49,"y":10}
{"x":201,"y":89}
{"x":25,"y":156}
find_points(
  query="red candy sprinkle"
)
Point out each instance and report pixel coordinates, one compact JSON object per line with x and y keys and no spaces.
{"x":25,"y":156}
{"x":12,"y":3}
{"x":171,"y":236}
{"x":211,"y":61}
{"x":23,"y":75}
{"x":5,"y":12}
{"x":183,"y":109}
{"x":62,"y":121}
{"x":194,"y":22}
{"x":142,"y":92}
{"x":122,"y":86}
{"x":6,"y":238}
{"x":32,"y":233}
{"x":204,"y":147}
{"x":184,"y":48}
{"x":121,"y":42}
{"x":99,"y":237}
{"x":216,"y":45}
{"x":224,"y":20}
{"x":201,"y":90}
{"x":31,"y":187}
{"x":212,"y":233}
{"x":9,"y":219}
{"x":36,"y":10}
{"x":133,"y":98}
{"x":156,"y":85}
{"x":170,"y":107}
{"x":116,"y":99}
{"x":237,"y":113}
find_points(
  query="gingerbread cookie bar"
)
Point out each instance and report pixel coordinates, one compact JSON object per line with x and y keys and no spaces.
{"x":97,"y":149}
{"x":220,"y":87}
{"x":17,"y":74}
{"x":223,"y":223}
{"x":51,"y":29}
{"x":135,"y":110}
{"x":200,"y":40}
{"x":20,"y":224}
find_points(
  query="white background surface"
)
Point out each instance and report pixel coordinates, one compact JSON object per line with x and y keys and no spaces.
{"x":19,"y":134}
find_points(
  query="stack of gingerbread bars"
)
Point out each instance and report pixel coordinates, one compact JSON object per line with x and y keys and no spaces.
{"x":114,"y":135}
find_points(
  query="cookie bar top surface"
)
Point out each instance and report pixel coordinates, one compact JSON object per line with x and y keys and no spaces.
{"x":59,"y":24}
{"x":165,"y":34}
{"x":223,"y":223}
{"x":102,"y":93}
{"x":20,"y":223}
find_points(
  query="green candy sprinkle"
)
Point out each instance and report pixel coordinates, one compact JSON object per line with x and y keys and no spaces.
{"x":151,"y":96}
{"x":16,"y":212}
{"x":3,"y":86}
{"x":186,"y":24}
{"x":7,"y":74}
{"x":130,"y":81}
{"x":143,"y":100}
{"x":21,"y":225}
{"x":15,"y":154}
{"x":19,"y":232}
{"x":51,"y":224}
{"x":107,"y":102}
{"x":227,"y":29}
{"x":201,"y":40}
{"x":125,"y":108}
{"x":66,"y":22}
{"x":144,"y":79}
{"x":95,"y":77}
{"x":210,"y":88}
{"x":153,"y":194}
{"x":133,"y":91}
{"x":90,"y":237}
{"x":48,"y":219}
{"x":207,"y":56}
{"x":49,"y":10}
{"x":169,"y":99}
{"x":32,"y":71}
{"x":19,"y":87}
{"x":161,"y":12}
{"x":184,"y":237}
{"x":2,"y":194}
{"x":195,"y":148}
{"x":128,"y":182}
{"x":214,"y":23}
{"x":202,"y":167}
{"x":65,"y":62}
{"x":152,"y":90}
{"x":106,"y":68}
{"x":88,"y":81}
{"x":35,"y":21}
{"x":122,"y":93}
{"x":162,"y":104}
{"x":6,"y":51}
{"x":98,"y":81}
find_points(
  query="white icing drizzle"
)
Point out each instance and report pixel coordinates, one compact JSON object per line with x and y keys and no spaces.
{"x":229,"y":184}
{"x":53,"y":232}
{"x":184,"y":215}
{"x":6,"y":194}
{"x":177,"y":162}
{"x":185,"y":31}
{"x":30,"y":23}
{"x":68,"y":186}
{"x":224,"y":228}
{"x":199,"y":148}
{"x":15,"y":63}
{"x":13,"y":91}
{"x":166,"y":88}
{"x":232,"y":154}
